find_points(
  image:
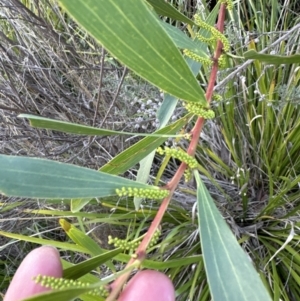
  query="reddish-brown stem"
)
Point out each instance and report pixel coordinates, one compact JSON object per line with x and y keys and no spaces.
{"x":171,"y":186}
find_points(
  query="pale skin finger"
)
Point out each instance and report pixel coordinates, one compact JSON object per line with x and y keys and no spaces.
{"x":148,"y":286}
{"x":45,"y":261}
{"x":145,"y":285}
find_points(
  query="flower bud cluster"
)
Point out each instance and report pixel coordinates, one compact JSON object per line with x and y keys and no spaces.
{"x":199,"y":110}
{"x":187,"y":136}
{"x":180,"y":155}
{"x":229,"y":3}
{"x":217,"y":97}
{"x":209,"y":41}
{"x":197,"y":58}
{"x":222,"y":61}
{"x":143,"y":193}
{"x":127,"y":245}
{"x":187,"y":175}
{"x":215,"y":33}
{"x":155,"y":238}
{"x":122,"y":243}
{"x":60,"y":283}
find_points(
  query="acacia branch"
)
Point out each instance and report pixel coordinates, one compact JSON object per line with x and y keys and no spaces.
{"x":117,"y":285}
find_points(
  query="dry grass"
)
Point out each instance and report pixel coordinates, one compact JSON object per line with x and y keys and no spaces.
{"x":57,"y":73}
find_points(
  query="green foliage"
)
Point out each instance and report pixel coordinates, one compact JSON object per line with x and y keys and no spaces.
{"x":273,"y":59}
{"x":67,"y":127}
{"x":39,"y":178}
{"x":223,"y":255}
{"x":248,"y":156}
{"x":141,"y":149}
{"x":139,"y":41}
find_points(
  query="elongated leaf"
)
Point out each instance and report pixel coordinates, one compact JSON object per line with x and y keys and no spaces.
{"x":40,"y":178}
{"x":231,"y":276}
{"x":162,"y":265}
{"x":73,"y":128}
{"x":273,"y":59}
{"x":133,"y":34}
{"x":166,"y":9}
{"x":138,"y":151}
{"x":40,"y":241}
{"x":80,"y":269}
{"x":80,"y":238}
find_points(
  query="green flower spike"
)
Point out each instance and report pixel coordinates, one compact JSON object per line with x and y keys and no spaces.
{"x":155,"y":238}
{"x":123,"y":244}
{"x":143,"y":193}
{"x":197,"y":58}
{"x":180,"y":155}
{"x":209,"y":41}
{"x":229,"y":3}
{"x":127,"y":245}
{"x":60,"y":283}
{"x":215,"y":33}
{"x":199,"y":110}
{"x":187,"y":175}
{"x":217,"y":97}
{"x":222,"y":61}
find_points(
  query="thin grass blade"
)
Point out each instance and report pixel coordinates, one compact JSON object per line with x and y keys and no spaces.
{"x":46,"y":242}
{"x":73,"y":128}
{"x":273,"y":59}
